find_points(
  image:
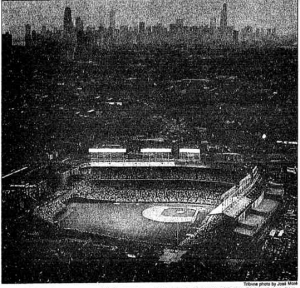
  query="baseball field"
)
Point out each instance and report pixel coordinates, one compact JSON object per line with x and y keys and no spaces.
{"x":157,"y":223}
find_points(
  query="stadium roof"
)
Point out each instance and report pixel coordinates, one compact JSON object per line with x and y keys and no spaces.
{"x":107,"y":150}
{"x":156,"y":150}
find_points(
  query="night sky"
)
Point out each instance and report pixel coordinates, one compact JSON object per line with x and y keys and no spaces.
{"x":281,"y":14}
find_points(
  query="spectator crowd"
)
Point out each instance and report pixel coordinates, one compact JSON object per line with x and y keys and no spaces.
{"x":165,"y":173}
{"x":202,"y":195}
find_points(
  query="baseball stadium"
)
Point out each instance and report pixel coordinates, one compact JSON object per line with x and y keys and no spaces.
{"x":171,"y":203}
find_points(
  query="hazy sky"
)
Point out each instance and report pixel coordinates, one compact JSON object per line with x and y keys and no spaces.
{"x":281,"y":14}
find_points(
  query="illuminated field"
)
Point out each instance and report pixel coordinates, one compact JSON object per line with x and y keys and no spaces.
{"x":126,"y":220}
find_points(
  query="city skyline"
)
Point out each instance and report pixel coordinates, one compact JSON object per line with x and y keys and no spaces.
{"x":267,"y":14}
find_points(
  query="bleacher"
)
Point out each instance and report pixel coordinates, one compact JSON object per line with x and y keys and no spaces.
{"x":202,"y":229}
{"x":188,"y":154}
{"x":106,"y":154}
{"x":156,"y":154}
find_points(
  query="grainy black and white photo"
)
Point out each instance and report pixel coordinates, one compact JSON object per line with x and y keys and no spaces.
{"x":150,"y":141}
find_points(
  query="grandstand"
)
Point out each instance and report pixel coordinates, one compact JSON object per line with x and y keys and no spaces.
{"x":156,"y":154}
{"x":163,"y":173}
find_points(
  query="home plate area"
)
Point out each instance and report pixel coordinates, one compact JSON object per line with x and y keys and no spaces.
{"x":169,"y":214}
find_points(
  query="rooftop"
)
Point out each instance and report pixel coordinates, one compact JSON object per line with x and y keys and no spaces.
{"x":274,"y":191}
{"x":253,"y":220}
{"x":266,"y":206}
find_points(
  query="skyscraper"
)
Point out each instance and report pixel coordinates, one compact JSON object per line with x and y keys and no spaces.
{"x":179,"y":23}
{"x":28,"y":39}
{"x":101,"y":28}
{"x":68,"y":24}
{"x":213,"y":23}
{"x":148,"y":30}
{"x":123,"y":30}
{"x":257,"y":33}
{"x":141,"y":27}
{"x":112,"y":19}
{"x":27,"y":29}
{"x":173,"y":28}
{"x":34,"y":37}
{"x":223,"y":19}
{"x":44,"y":31}
{"x":78,"y":24}
{"x":79,"y":34}
{"x":6,"y":41}
{"x":235,"y":36}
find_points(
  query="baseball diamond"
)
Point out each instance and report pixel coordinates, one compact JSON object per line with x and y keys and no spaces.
{"x":170,"y":214}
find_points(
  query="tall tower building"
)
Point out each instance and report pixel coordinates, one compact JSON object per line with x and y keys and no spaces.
{"x":213,"y":23}
{"x":257,"y":33}
{"x":27,"y":29}
{"x":78,"y":24}
{"x":44,"y":31}
{"x":79,"y":33}
{"x":141,"y":27}
{"x":235,"y":36}
{"x":179,"y":23}
{"x":68,"y":24}
{"x":34,"y":37}
{"x":6,"y":41}
{"x":28,"y":39}
{"x":112,"y":19}
{"x":223,"y":19}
